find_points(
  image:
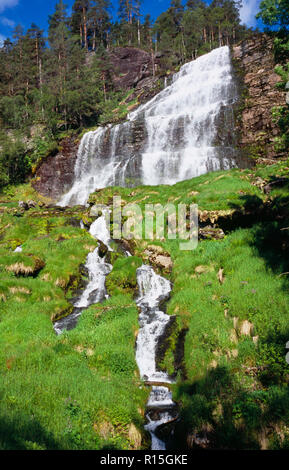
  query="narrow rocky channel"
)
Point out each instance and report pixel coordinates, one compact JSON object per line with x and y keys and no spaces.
{"x":153,"y":289}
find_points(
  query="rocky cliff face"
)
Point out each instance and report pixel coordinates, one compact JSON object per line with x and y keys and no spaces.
{"x":130,"y":65}
{"x":56,"y":174}
{"x":255,"y":61}
{"x":133,"y":69}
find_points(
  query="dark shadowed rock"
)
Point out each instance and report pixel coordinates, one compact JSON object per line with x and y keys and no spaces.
{"x":130,"y":65}
{"x":55,"y":175}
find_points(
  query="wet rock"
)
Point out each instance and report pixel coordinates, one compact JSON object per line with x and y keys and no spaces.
{"x":164,"y":431}
{"x":103,"y":249}
{"x":23,"y":205}
{"x":61,"y":313}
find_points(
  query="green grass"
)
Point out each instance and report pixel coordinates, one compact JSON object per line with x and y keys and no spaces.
{"x":82,"y":390}
{"x":72,"y":391}
{"x":223,"y":368}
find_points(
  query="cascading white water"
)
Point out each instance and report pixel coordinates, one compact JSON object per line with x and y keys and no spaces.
{"x":98,"y":269}
{"x":182,"y":121}
{"x":153,"y":289}
{"x":184,"y":131}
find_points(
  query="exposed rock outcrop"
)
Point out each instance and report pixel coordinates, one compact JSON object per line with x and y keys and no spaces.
{"x":130,"y":66}
{"x":255,"y":59}
{"x":159,"y":258}
{"x":55,"y":175}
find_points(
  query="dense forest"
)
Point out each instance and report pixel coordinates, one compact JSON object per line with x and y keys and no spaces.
{"x":44,"y":80}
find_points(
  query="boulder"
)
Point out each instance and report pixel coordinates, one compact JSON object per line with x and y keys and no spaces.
{"x":210,"y":233}
{"x":246,"y":328}
{"x":129,"y":65}
{"x":159,"y":257}
{"x":23,"y":205}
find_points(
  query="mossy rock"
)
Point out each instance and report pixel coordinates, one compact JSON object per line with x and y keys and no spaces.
{"x":102,"y":250}
{"x":123,"y":276}
{"x":61,"y":313}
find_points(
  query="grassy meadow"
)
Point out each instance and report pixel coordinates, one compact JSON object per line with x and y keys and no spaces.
{"x":82,"y":390}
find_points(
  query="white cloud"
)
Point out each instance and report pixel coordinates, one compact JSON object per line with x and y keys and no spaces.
{"x":7,"y":22}
{"x":7,"y":4}
{"x":248,"y":12}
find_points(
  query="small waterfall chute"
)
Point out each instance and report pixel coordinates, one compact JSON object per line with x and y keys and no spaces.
{"x":153,"y":289}
{"x":98,"y":269}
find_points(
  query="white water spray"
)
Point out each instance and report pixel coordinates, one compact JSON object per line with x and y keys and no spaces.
{"x":186,"y":130}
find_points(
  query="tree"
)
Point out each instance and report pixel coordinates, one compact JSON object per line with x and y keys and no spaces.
{"x":80,"y":10}
{"x":274,"y":13}
{"x":129,"y":10}
{"x":193,"y":23}
{"x":99,"y":21}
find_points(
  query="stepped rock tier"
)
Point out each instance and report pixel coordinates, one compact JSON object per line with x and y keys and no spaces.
{"x":185,"y":130}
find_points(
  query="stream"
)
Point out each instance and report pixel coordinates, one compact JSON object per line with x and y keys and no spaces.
{"x":98,"y":269}
{"x":153,"y":289}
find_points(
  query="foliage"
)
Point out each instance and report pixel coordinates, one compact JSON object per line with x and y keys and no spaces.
{"x":89,"y":374}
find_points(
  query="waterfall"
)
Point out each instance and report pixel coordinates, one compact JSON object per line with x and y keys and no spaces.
{"x":98,"y":269}
{"x":153,"y":289}
{"x":184,"y":131}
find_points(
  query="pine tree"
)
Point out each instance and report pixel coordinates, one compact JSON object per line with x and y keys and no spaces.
{"x":128,"y":11}
{"x":79,"y":20}
{"x":99,"y":21}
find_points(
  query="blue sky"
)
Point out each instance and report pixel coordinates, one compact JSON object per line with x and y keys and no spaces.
{"x":25,"y":12}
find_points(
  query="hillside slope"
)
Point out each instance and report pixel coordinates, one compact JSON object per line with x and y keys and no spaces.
{"x":226,"y":344}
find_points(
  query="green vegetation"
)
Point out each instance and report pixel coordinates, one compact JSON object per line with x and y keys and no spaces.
{"x":226,"y":347}
{"x":82,"y":390}
{"x":230,"y":297}
{"x":57,"y":87}
{"x":72,"y":391}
